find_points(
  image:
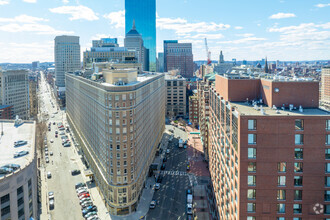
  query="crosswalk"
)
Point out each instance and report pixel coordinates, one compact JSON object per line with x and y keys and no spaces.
{"x":192,"y":178}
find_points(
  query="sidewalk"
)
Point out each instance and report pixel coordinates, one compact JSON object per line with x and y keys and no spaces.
{"x":44,"y":214}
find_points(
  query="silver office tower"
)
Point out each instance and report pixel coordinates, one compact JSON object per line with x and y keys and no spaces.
{"x":144,"y":14}
{"x":67,"y":57}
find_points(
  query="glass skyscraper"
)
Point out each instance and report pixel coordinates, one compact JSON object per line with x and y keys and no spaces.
{"x":144,"y":14}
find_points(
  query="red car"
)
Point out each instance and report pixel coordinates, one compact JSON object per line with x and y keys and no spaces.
{"x":84,"y":196}
{"x":83,"y":193}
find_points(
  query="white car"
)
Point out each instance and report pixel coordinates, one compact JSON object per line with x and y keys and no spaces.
{"x":189,"y":209}
{"x":51,"y":141}
{"x":152,"y":204}
{"x":49,"y":175}
{"x":157,"y":186}
{"x":167,"y":151}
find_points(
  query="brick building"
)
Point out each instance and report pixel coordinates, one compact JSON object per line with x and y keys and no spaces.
{"x":269,"y":162}
{"x":6,"y":112}
{"x":176,"y":96}
{"x":325,"y":87}
{"x":193,"y":110}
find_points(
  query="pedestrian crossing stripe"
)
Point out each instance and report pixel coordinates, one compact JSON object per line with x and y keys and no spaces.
{"x":174,"y":173}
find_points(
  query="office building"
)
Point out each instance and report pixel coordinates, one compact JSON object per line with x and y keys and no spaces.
{"x":203,"y":94}
{"x":269,"y":149}
{"x":176,"y":97}
{"x":193,"y":110}
{"x":14,"y":91}
{"x":221,"y":60}
{"x":35,"y":65}
{"x":18,"y":194}
{"x":118,"y":122}
{"x":222,"y":67}
{"x":143,"y":12}
{"x":160,"y":63}
{"x":107,"y":50}
{"x":178,"y":56}
{"x":133,"y":41}
{"x":33,"y":99}
{"x":325,"y":87}
{"x":67,"y":57}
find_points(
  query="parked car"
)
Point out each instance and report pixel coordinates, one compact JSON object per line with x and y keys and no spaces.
{"x":78,"y":185}
{"x":164,"y":159}
{"x":157,"y":186}
{"x":81,"y":189}
{"x":6,"y":170}
{"x":159,"y":179}
{"x":62,"y":133}
{"x":189,"y":209}
{"x":85,"y":200}
{"x":21,"y":153}
{"x":90,"y":214}
{"x":67,"y":144}
{"x":12,"y":166}
{"x":49,"y":175}
{"x":75,"y":172}
{"x":163,"y":166}
{"x":47,"y":159}
{"x":19,"y":143}
{"x":89,"y":209}
{"x":152,"y":204}
{"x":86,"y":204}
{"x":50,"y":195}
{"x":85,"y":195}
{"x":51,"y":204}
{"x":94,"y":217}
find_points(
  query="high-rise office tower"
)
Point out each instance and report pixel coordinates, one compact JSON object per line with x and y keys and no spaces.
{"x":160,"y":67}
{"x":178,"y":56}
{"x":119,"y":120}
{"x":133,"y":41}
{"x":14,"y":91}
{"x":67,"y":57}
{"x":143,"y":12}
{"x":269,"y":159}
{"x":221,"y":60}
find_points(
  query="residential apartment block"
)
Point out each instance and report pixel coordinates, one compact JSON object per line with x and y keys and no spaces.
{"x":176,"y":97}
{"x":269,"y":151}
{"x":193,"y":110}
{"x":118,"y":118}
{"x":14,"y":91}
{"x":325,"y":87}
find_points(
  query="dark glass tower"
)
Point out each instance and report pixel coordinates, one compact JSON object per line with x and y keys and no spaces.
{"x":144,"y":14}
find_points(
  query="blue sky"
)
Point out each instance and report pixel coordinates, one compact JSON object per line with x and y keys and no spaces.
{"x":242,"y":29}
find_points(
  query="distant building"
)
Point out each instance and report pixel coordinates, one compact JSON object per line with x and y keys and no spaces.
{"x":133,"y":41}
{"x":19,"y":191}
{"x":193,"y":110}
{"x":221,"y":60}
{"x":35,"y":65}
{"x":176,"y":97}
{"x":14,"y":91}
{"x":244,"y":62}
{"x":325,"y":87}
{"x":160,"y":63}
{"x":107,"y":50}
{"x":6,"y":112}
{"x":119,"y":120}
{"x":265,"y":161}
{"x":33,"y":99}
{"x":222,"y":67}
{"x":178,"y":56}
{"x":67,"y":57}
{"x":143,"y":12}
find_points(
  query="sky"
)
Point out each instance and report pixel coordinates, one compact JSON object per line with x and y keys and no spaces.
{"x":285,"y":30}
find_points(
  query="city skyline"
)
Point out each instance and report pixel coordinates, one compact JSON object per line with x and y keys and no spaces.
{"x":280,"y":30}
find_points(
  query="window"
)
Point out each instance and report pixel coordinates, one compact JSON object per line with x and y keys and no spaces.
{"x":252,"y":124}
{"x":280,"y":218}
{"x":299,"y":124}
{"x":281,"y":194}
{"x":327,"y":209}
{"x":297,"y":208}
{"x":251,"y":218}
{"x":298,"y":153}
{"x":252,"y":180}
{"x":251,"y":194}
{"x":281,"y":167}
{"x":298,"y":181}
{"x":298,"y":167}
{"x":118,"y":147}
{"x":280,"y":208}
{"x":252,"y":167}
{"x":327,"y":125}
{"x":327,"y":167}
{"x":327,"y":154}
{"x":327,"y":181}
{"x":252,"y":153}
{"x":297,"y":194}
{"x":252,"y":138}
{"x":116,"y":97}
{"x":297,"y":218}
{"x":251,"y":207}
{"x":327,"y":141}
{"x":327,"y":195}
{"x":299,"y":139}
{"x":281,"y":180}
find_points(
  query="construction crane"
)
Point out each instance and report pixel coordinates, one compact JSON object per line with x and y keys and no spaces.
{"x":208,"y":53}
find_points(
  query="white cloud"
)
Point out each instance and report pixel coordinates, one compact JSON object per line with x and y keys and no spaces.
{"x":76,"y":12}
{"x":23,"y":19}
{"x":238,"y":27}
{"x":208,"y":36}
{"x":30,"y":27}
{"x":245,"y":35}
{"x":243,"y":40}
{"x":117,"y":18}
{"x":30,"y":1}
{"x":183,"y":27}
{"x":322,"y":5}
{"x":4,"y":2}
{"x":282,"y":15}
{"x":65,"y":1}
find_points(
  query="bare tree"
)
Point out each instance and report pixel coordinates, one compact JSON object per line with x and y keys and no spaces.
{"x":41,"y":134}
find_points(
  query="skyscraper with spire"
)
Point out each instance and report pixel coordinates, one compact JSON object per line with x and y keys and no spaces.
{"x":143,"y":12}
{"x":221,"y":60}
{"x":266,"y":66}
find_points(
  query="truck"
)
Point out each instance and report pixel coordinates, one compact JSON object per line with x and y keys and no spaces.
{"x":180,"y":143}
{"x":189,"y":199}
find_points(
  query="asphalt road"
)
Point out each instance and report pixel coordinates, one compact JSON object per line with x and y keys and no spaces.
{"x":171,"y":197}
{"x":61,"y":163}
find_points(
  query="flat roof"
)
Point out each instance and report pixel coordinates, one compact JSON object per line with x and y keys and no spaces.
{"x":245,"y":109}
{"x":171,"y":77}
{"x":25,"y":132}
{"x":140,"y":78}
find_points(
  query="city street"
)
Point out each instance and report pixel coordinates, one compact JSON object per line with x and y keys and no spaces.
{"x":60,"y":165}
